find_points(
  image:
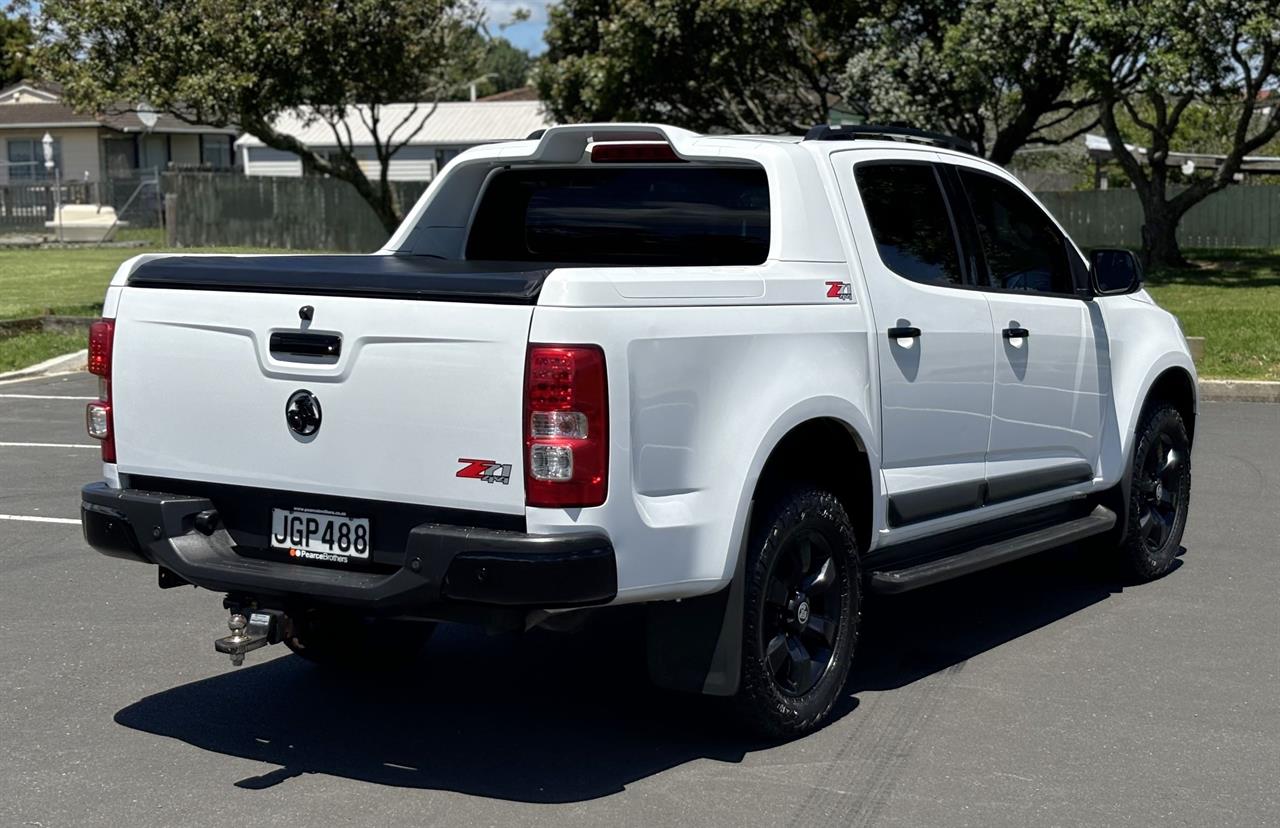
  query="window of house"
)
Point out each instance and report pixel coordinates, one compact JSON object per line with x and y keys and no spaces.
{"x":1024,"y":250}
{"x":215,"y":151}
{"x":444,"y":156}
{"x":26,"y":159}
{"x":909,"y":220}
{"x":155,"y":152}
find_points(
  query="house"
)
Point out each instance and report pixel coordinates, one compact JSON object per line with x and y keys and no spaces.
{"x":97,"y":147}
{"x":448,"y":130}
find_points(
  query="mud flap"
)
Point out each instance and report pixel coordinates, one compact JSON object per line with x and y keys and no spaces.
{"x":695,"y":645}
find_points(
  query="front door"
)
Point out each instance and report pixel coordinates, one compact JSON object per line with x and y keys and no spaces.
{"x":933,"y":334}
{"x":1049,"y":371}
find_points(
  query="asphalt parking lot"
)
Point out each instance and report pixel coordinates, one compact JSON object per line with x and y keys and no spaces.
{"x":1043,"y":693}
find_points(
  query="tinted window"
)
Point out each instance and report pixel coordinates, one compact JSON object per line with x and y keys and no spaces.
{"x":1024,"y":250}
{"x":643,"y":216}
{"x":909,"y":221}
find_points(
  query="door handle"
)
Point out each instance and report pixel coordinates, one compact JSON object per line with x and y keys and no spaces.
{"x":904,"y":332}
{"x":305,"y":344}
{"x":1016,"y":333}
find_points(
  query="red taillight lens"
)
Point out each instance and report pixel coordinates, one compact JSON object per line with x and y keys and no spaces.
{"x":633,"y":152}
{"x":99,"y":419}
{"x":566,"y":426}
{"x":101,"y":337}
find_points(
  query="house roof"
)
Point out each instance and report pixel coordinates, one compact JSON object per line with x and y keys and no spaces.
{"x":1099,"y":148}
{"x":52,"y":113}
{"x":43,"y":115}
{"x":462,"y":122}
{"x":41,"y":89}
{"x":520,"y":93}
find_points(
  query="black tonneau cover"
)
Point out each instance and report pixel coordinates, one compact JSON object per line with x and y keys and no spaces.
{"x":388,"y":277}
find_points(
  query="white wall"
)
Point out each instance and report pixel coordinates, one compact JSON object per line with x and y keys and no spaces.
{"x":410,"y":164}
{"x":79,"y":151}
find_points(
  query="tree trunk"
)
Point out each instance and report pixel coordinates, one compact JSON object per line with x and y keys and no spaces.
{"x":341,"y":165}
{"x":1160,"y":236}
{"x":386,"y":206}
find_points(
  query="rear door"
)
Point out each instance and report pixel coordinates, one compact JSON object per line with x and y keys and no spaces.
{"x":419,"y":393}
{"x":933,"y":334}
{"x":1049,"y":368}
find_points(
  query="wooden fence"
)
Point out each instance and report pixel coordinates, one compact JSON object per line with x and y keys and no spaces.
{"x":1241,"y":216}
{"x":229,"y":210}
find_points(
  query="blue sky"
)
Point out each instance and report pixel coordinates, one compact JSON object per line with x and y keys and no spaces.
{"x":527,"y":35}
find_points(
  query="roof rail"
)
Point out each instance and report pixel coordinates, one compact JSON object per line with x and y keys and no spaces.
{"x":853,"y":132}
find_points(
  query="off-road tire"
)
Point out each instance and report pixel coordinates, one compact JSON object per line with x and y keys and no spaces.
{"x":762,"y":702}
{"x":1142,"y":556}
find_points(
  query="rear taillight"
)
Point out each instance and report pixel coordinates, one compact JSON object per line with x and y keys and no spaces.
{"x":98,"y":416}
{"x":566,"y":426}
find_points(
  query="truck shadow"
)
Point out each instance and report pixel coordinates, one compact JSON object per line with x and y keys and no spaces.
{"x":556,"y":718}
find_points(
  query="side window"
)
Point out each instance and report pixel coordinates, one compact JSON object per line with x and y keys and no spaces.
{"x":1024,"y":250}
{"x":910,"y":222}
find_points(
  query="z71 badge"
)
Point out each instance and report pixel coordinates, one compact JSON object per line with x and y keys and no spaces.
{"x":486,"y":470}
{"x":840,"y":290}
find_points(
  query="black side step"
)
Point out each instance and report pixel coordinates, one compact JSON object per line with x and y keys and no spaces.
{"x":976,"y":558}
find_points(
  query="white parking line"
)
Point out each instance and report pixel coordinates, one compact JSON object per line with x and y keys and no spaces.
{"x":37,"y":519}
{"x":42,"y":397}
{"x":66,"y":374}
{"x":50,"y":445}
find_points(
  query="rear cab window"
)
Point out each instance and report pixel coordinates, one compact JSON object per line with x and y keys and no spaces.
{"x":640,"y":216}
{"x":910,"y":221}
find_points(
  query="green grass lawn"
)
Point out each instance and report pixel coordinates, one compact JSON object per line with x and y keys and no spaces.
{"x":27,"y":349}
{"x":1233,"y":301}
{"x":71,"y":282}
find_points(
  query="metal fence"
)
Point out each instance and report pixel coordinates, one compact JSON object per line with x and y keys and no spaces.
{"x":24,"y":208}
{"x":230,"y":210}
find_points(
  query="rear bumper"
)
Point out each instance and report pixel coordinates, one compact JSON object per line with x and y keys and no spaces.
{"x":442,"y":564}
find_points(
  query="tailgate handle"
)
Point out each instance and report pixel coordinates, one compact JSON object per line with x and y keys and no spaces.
{"x":306,"y":344}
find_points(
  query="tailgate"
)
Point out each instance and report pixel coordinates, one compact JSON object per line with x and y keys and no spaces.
{"x":419,"y":391}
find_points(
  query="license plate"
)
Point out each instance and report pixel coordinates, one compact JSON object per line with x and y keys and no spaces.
{"x":317,"y":535}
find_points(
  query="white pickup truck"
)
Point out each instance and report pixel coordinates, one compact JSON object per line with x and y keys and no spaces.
{"x":741,"y":380}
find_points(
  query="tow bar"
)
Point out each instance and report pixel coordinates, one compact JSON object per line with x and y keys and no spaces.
{"x":260,"y":628}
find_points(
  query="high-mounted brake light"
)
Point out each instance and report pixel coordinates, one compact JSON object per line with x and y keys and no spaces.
{"x":566,"y":426}
{"x":98,"y":416}
{"x":633,"y":152}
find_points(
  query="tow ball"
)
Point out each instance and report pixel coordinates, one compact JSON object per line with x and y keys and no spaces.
{"x":249,"y":633}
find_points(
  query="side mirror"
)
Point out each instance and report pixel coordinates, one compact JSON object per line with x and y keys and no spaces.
{"x":1114,"y":271}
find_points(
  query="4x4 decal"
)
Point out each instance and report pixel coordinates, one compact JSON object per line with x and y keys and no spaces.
{"x":486,"y":470}
{"x":840,"y":290}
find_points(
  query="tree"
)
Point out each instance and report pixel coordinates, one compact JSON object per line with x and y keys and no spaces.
{"x":243,"y":63}
{"x":707,"y":65}
{"x":1162,"y":63}
{"x":15,"y":44}
{"x":503,"y":67}
{"x":1003,"y":74}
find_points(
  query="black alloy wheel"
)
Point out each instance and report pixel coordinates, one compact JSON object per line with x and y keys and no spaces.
{"x":801,"y":615}
{"x":1159,"y":490}
{"x":1159,"y":494}
{"x":802,"y":605}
